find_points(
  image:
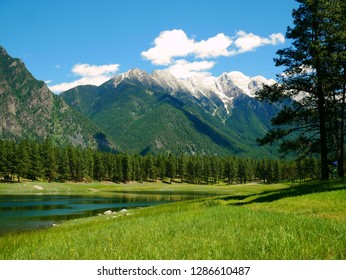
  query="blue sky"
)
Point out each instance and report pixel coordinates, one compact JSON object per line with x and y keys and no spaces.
{"x":71,"y":42}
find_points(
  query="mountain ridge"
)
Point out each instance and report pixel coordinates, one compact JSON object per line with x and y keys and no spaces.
{"x":129,"y":104}
{"x":224,"y":85}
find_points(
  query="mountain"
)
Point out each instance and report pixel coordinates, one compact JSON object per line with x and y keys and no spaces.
{"x":29,"y":110}
{"x":138,"y":112}
{"x":158,"y":112}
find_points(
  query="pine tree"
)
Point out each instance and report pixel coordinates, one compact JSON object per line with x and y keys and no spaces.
{"x":36,"y":169}
{"x":127,"y":168}
{"x":171,"y":167}
{"x":309,"y":74}
{"x":182,"y":164}
{"x":50,"y":160}
{"x":160,"y":162}
{"x":63,"y":165}
{"x":9,"y":160}
{"x":230,"y":170}
{"x":80,"y":165}
{"x":22,"y":159}
{"x":89,"y":161}
{"x":118,"y":174}
{"x":137,"y":168}
{"x":99,"y":171}
{"x":2,"y":159}
{"x":72,"y":162}
{"x":191,"y":170}
{"x":242,"y":175}
{"x":150,"y":168}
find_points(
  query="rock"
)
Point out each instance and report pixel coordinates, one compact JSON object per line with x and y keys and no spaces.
{"x":108,"y":212}
{"x":123,"y":210}
{"x":37,"y":187}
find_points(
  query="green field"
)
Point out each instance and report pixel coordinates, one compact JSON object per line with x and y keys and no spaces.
{"x":245,"y":222}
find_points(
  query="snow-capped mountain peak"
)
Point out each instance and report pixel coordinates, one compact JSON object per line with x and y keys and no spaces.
{"x":132,"y":74}
{"x":238,"y":79}
{"x":224,"y":88}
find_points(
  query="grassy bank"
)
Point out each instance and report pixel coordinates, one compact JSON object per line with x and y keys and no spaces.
{"x":244,"y":222}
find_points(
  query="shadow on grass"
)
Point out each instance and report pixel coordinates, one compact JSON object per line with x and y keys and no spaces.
{"x":295,"y":190}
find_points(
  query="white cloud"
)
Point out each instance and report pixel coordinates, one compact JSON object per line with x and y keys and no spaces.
{"x":90,"y":75}
{"x":175,"y":44}
{"x":246,"y":42}
{"x":184,"y":69}
{"x":277,"y":38}
{"x":169,"y":44}
{"x":213,"y":47}
{"x":86,"y":70}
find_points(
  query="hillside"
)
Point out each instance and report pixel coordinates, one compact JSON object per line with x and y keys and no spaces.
{"x":29,"y":110}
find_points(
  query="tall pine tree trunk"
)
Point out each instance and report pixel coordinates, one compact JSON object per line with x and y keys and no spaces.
{"x":317,"y":56}
{"x":342,"y":131}
{"x":323,"y":145}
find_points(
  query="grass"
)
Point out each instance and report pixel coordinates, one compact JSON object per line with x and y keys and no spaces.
{"x":88,"y":188}
{"x":243,"y":222}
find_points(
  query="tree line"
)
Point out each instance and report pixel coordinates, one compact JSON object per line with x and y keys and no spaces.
{"x":45,"y":161}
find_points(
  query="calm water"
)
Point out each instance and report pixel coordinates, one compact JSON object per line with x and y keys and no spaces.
{"x":25,"y":212}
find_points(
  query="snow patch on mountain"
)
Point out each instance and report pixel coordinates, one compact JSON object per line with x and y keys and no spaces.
{"x":226,"y":87}
{"x":166,"y":80}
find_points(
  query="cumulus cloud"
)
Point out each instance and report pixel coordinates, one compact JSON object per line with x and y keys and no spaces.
{"x":169,"y":44}
{"x":90,"y":75}
{"x":175,"y":43}
{"x":246,"y":42}
{"x":213,"y":47}
{"x":86,"y":70}
{"x":172,"y":46}
{"x":184,"y":69}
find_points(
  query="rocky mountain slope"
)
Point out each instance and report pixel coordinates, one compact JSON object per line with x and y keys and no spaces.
{"x":28,"y":109}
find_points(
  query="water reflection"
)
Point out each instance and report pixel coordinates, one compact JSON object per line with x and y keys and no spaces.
{"x":25,"y":212}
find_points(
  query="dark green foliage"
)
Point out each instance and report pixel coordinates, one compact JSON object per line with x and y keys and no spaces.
{"x":45,"y":161}
{"x":49,"y":159}
{"x":22,"y":159}
{"x":315,"y":77}
{"x":64,"y":170}
{"x":99,"y":170}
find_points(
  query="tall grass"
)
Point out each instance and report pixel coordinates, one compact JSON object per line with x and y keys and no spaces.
{"x":301,"y":225}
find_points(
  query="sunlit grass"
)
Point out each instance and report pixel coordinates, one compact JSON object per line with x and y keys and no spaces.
{"x":292,"y":224}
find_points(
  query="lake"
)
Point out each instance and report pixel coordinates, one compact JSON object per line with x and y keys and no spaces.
{"x":26,"y":212}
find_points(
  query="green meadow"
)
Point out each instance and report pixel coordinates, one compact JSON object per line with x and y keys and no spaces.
{"x":252,"y":221}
